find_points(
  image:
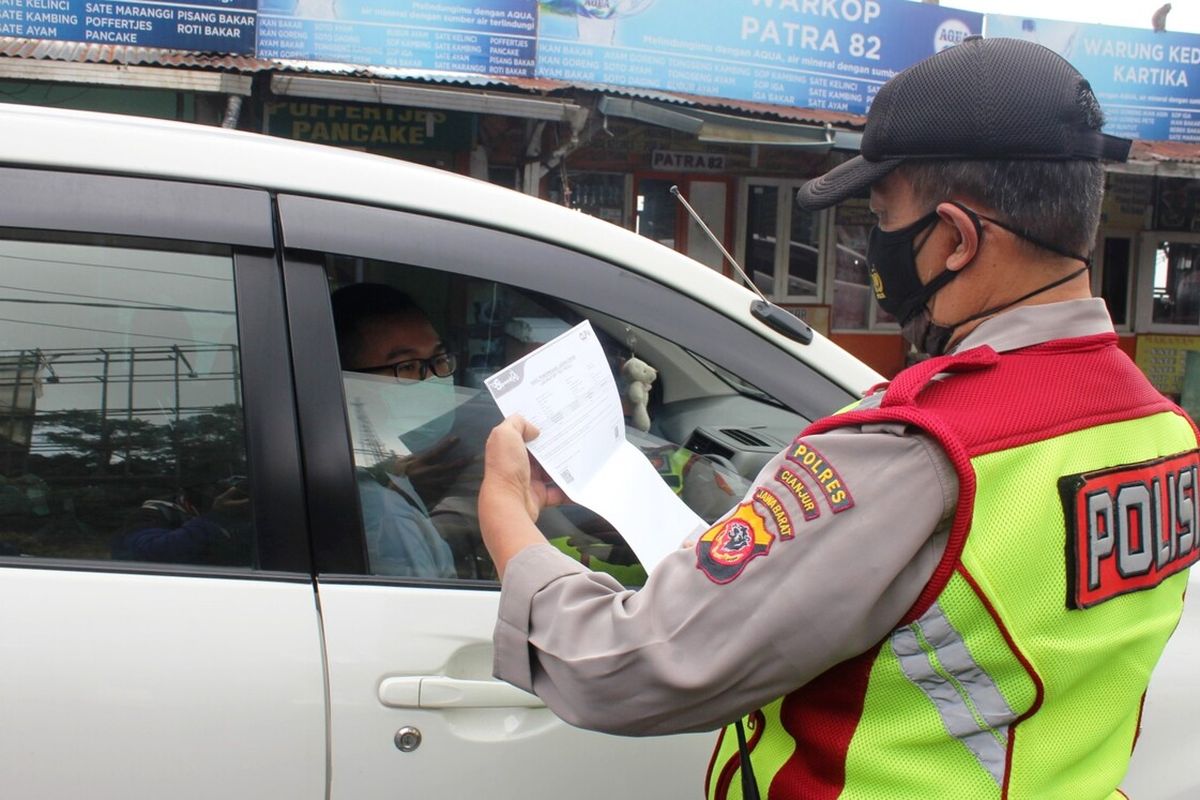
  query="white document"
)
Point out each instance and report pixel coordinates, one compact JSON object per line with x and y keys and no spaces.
{"x":567,"y":390}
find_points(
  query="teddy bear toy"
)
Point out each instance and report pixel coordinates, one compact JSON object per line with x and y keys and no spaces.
{"x":638,"y":376}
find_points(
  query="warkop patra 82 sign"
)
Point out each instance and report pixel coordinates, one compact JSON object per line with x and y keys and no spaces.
{"x":828,"y":54}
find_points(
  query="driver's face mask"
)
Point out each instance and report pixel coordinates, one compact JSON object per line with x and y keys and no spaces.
{"x":422,"y":411}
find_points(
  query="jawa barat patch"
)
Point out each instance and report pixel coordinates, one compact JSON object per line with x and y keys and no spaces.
{"x":725,"y":549}
{"x":812,"y":463}
{"x":1130,"y":528}
{"x":771,"y":507}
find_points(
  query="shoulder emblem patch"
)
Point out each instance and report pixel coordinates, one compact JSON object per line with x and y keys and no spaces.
{"x":725,"y":548}
{"x":810,"y":461}
{"x":1130,"y":528}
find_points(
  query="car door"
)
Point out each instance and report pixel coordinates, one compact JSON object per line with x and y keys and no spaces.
{"x":1167,"y":729}
{"x":414,"y":708}
{"x":160,"y":633}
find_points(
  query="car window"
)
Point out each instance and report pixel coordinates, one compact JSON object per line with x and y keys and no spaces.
{"x":416,"y":345}
{"x":121,"y":434}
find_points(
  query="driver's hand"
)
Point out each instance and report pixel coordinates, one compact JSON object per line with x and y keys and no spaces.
{"x":430,"y":470}
{"x":231,"y":502}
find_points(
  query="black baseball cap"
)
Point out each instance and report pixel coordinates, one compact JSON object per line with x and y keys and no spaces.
{"x":981,"y":99}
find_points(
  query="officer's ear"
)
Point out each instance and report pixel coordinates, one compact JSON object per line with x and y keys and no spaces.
{"x":967,"y":232}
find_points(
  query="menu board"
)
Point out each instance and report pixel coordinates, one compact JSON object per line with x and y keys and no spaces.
{"x":224,"y":26}
{"x":494,"y":37}
{"x":1165,"y":359}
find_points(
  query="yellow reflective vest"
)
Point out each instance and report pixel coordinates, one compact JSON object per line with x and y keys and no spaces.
{"x":1021,"y":669}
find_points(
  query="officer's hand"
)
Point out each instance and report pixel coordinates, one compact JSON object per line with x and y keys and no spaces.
{"x":511,"y":477}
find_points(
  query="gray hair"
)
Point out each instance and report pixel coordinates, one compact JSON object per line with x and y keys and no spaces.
{"x":1056,"y":202}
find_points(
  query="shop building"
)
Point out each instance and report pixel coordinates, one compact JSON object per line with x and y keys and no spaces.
{"x":616,"y":152}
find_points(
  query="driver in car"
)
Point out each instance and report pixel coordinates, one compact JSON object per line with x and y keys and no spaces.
{"x":382,"y":333}
{"x":421,"y":506}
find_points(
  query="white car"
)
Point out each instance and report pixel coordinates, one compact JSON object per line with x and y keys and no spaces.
{"x":200,"y":594}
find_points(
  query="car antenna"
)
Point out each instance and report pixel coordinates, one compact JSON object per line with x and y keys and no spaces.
{"x":762,"y":309}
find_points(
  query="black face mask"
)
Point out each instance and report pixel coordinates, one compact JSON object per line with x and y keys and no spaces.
{"x":926,"y":335}
{"x":892,"y":261}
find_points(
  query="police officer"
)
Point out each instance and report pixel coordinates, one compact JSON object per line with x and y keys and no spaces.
{"x":957,"y":589}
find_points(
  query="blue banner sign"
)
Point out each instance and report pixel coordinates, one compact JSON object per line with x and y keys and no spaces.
{"x":223,"y":26}
{"x":494,"y":37}
{"x":1148,"y":83}
{"x":826,"y":54}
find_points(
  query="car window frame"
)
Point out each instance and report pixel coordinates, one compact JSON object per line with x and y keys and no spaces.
{"x":313,"y":227}
{"x":180,"y":215}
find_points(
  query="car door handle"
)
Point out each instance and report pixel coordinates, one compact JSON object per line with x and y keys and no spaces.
{"x":438,"y":691}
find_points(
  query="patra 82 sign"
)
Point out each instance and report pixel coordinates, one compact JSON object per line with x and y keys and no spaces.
{"x":827,"y":54}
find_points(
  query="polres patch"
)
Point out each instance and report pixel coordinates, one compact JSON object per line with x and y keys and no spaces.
{"x":1130,"y":528}
{"x":725,"y":548}
{"x":810,"y":461}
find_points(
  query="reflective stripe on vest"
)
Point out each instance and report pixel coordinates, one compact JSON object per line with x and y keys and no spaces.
{"x":934,"y":657}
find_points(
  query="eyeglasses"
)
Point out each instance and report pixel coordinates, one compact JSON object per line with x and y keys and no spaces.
{"x":418,"y":369}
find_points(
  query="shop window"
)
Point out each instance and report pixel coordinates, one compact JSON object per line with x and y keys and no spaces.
{"x":601,"y":194}
{"x":762,"y":227}
{"x":1115,"y":262}
{"x":657,"y":211}
{"x":781,"y":248}
{"x":1168,"y":280}
{"x":508,"y":177}
{"x":1175,"y":292}
{"x":854,"y":306}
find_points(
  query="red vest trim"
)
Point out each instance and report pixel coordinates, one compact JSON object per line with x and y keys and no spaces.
{"x":823,"y":715}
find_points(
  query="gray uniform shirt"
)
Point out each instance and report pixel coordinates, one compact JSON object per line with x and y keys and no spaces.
{"x":687,"y":652}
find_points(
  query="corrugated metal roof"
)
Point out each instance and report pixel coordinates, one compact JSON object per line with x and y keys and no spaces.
{"x":92,"y":53}
{"x":789,"y":113}
{"x":786,"y":113}
{"x":82,"y":52}
{"x":544,"y":86}
{"x":416,"y":75}
{"x":1165,"y":151}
